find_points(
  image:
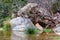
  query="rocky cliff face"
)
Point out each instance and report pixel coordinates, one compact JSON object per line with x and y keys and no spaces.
{"x":34,"y":12}
{"x":43,"y":3}
{"x":38,"y":14}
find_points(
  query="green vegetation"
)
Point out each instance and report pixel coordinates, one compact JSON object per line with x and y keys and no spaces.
{"x":55,"y":6}
{"x":47,"y":30}
{"x":7,"y":7}
{"x":31,"y":30}
{"x":7,"y":26}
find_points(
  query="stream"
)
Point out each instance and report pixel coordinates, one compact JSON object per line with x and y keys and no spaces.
{"x":43,"y":36}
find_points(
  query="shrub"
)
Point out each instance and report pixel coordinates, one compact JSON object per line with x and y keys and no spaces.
{"x":7,"y":26}
{"x":55,"y":6}
{"x":31,"y":30}
{"x":47,"y":30}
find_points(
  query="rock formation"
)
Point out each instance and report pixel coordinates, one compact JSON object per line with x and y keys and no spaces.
{"x":19,"y":26}
{"x":35,"y":13}
{"x":38,"y":14}
{"x":43,"y":3}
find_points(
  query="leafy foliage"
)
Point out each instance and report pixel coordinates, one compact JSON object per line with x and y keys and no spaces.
{"x":7,"y":26}
{"x":7,"y":7}
{"x":5,"y":11}
{"x":31,"y":30}
{"x":47,"y":30}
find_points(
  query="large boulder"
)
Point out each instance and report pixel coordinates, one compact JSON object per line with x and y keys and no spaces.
{"x":34,"y":12}
{"x":19,"y":26}
{"x":20,"y":21}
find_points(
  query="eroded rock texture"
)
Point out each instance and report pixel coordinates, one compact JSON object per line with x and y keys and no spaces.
{"x":38,"y":14}
{"x":43,"y":3}
{"x":35,"y":13}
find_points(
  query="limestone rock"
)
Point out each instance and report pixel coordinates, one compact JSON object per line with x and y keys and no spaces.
{"x":19,"y":22}
{"x":19,"y":25}
{"x":34,"y":12}
{"x":27,"y":7}
{"x":18,"y":28}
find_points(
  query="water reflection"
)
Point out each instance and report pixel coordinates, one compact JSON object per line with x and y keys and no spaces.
{"x":43,"y":36}
{"x":5,"y":35}
{"x":31,"y":37}
{"x":1,"y":35}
